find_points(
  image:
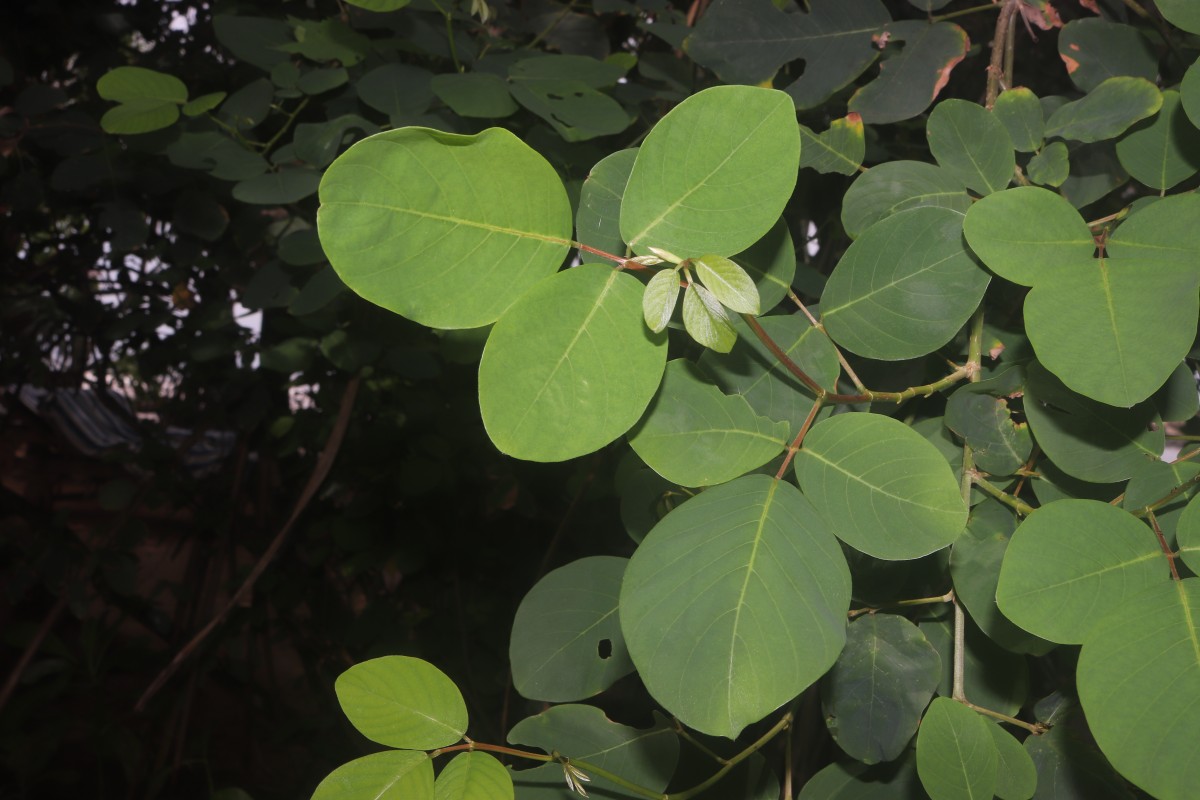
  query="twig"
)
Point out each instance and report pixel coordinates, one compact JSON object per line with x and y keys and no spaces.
{"x":320,"y":472}
{"x":996,"y":66}
{"x":31,"y":649}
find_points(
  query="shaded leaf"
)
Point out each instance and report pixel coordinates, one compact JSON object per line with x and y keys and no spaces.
{"x":1106,"y":111}
{"x":1095,"y":50}
{"x":910,"y":81}
{"x":474,"y":94}
{"x":971,"y":144}
{"x":288,"y":185}
{"x":1051,"y":167}
{"x":838,"y":150}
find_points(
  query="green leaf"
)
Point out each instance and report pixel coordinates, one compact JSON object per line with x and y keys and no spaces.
{"x":1187,"y":535}
{"x":474,"y":776}
{"x":474,"y":94}
{"x":403,"y":702}
{"x":895,"y":186}
{"x":957,"y":757}
{"x":1051,"y":167}
{"x":985,"y":422}
{"x":321,"y":80}
{"x":566,"y":639}
{"x":203,"y":103}
{"x":729,"y":283}
{"x":905,"y":287}
{"x":134,"y":84}
{"x":318,"y":143}
{"x":1016,"y":777}
{"x":972,"y":145}
{"x":1027,"y":234}
{"x":598,"y":220}
{"x":881,"y":487}
{"x":380,"y":6}
{"x":139,"y":116}
{"x":327,"y":40}
{"x":444,"y":229}
{"x":1069,"y":767}
{"x":994,"y":678}
{"x":288,"y":185}
{"x":1095,"y":171}
{"x":734,"y":603}
{"x":719,"y":192}
{"x":1164,"y":151}
{"x":839,"y":150}
{"x":1020,"y":113}
{"x":1106,"y":111}
{"x":1189,"y":93}
{"x":645,"y":756}
{"x":659,"y":299}
{"x":1072,"y":562}
{"x":873,"y":696}
{"x":753,"y":371}
{"x":748,"y":41}
{"x":398,"y":90}
{"x":392,"y":775}
{"x":771,"y":261}
{"x":705,"y":319}
{"x":1086,"y":439}
{"x":558,"y":384}
{"x":1181,"y":13}
{"x":1177,"y":400}
{"x":895,"y":780}
{"x":561,"y":89}
{"x":1095,"y":49}
{"x":1139,"y":680}
{"x":254,"y":40}
{"x":693,"y":435}
{"x":910,"y":81}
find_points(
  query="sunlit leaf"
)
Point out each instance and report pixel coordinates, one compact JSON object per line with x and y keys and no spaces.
{"x":1106,"y":111}
{"x":391,"y":775}
{"x":706,"y":320}
{"x":728,"y":282}
{"x":659,"y":299}
{"x":402,"y":702}
{"x":1164,"y":151}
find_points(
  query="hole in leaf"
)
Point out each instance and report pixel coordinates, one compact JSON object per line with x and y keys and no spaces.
{"x":604,"y":649}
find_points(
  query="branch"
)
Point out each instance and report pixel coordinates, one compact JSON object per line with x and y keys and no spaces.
{"x":320,"y":472}
{"x":999,"y":39}
{"x":1015,"y":503}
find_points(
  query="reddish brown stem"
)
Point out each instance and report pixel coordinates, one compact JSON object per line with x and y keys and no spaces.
{"x":1162,"y":542}
{"x":794,"y":447}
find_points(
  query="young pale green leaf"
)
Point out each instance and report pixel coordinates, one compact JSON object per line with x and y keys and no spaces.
{"x":391,"y":775}
{"x":1164,"y":151}
{"x":714,"y":173}
{"x":1020,"y":113}
{"x":132,"y":84}
{"x":1051,"y":167}
{"x":839,"y":150}
{"x":881,"y":487}
{"x":659,"y":299}
{"x":728,"y":282}
{"x":474,"y":776}
{"x":566,"y":639}
{"x":971,"y":144}
{"x":705,"y":319}
{"x":1095,"y":49}
{"x":1027,"y":234}
{"x":957,"y":757}
{"x":645,"y":756}
{"x":1139,"y":680}
{"x":598,"y":220}
{"x":1105,"y":112}
{"x":905,"y":286}
{"x":1016,"y":777}
{"x":693,"y":435}
{"x":894,"y":186}
{"x":734,"y":603}
{"x":402,"y":702}
{"x":915,"y":75}
{"x":873,"y":696}
{"x":1072,"y":562}
{"x":1089,"y":440}
{"x":570,"y":366}
{"x":444,"y":229}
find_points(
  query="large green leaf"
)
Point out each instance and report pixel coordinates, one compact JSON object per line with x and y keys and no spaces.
{"x":896,"y":780}
{"x":894,"y":186}
{"x":1106,"y":111}
{"x":881,"y":487}
{"x":1027,"y":235}
{"x":1068,"y":763}
{"x":1183,"y":13}
{"x":1089,"y":440}
{"x":694,"y":435}
{"x":1164,"y":151}
{"x":570,"y":366}
{"x":771,"y":261}
{"x":1187,"y":535}
{"x":957,"y":757}
{"x":598,"y":220}
{"x":1072,"y":562}
{"x":566,"y":640}
{"x":718,"y":192}
{"x":1139,"y":684}
{"x":748,"y":41}
{"x":905,"y":287}
{"x":752,"y":371}
{"x":1095,"y":50}
{"x":873,"y":696}
{"x":474,"y":776}
{"x":909,"y":81}
{"x":129,"y":84}
{"x":645,"y":756}
{"x":391,"y":775}
{"x":734,"y":603}
{"x":972,"y":145}
{"x":444,"y":229}
{"x":402,"y":702}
